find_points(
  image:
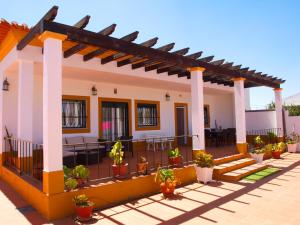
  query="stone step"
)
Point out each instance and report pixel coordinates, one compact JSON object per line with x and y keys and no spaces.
{"x":230,"y":166}
{"x":228,"y":159}
{"x":237,"y":175}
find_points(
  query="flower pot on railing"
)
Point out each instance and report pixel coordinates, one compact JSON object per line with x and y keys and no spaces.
{"x":120,"y":170}
{"x":142,"y":166}
{"x":174,"y":157}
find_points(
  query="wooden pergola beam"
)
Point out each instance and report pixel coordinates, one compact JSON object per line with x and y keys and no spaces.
{"x":119,"y":55}
{"x":37,"y":29}
{"x":128,"y":38}
{"x":101,"y":41}
{"x":77,"y":48}
{"x":83,"y":22}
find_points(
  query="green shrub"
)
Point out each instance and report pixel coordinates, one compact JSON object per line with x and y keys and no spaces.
{"x":71,"y":183}
{"x":116,"y":153}
{"x":204,"y":160}
{"x":174,"y":153}
{"x":81,"y":171}
{"x":82,"y":201}
{"x":164,"y":175}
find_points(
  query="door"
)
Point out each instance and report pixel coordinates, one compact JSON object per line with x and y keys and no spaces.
{"x":114,"y":120}
{"x":181,"y":123}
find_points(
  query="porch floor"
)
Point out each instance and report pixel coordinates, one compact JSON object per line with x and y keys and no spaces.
{"x":103,"y":169}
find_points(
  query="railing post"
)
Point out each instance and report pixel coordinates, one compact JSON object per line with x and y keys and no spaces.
{"x":2,"y":144}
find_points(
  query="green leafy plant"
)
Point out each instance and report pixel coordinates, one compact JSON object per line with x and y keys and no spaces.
{"x":164,"y":175}
{"x":116,"y":153}
{"x":204,"y":160}
{"x":258,"y":151}
{"x":174,"y":153}
{"x":279,"y":147}
{"x":82,"y":201}
{"x":71,"y":183}
{"x":293,"y":138}
{"x":67,"y":172}
{"x":81,"y":172}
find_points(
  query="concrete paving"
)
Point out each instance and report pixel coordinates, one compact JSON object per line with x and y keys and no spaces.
{"x":274,"y":200}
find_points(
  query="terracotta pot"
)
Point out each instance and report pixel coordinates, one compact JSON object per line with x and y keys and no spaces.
{"x":276,"y":155}
{"x":81,"y":182}
{"x":267,"y":155}
{"x":84,"y":213}
{"x":175,"y":161}
{"x":142,"y":168}
{"x":120,"y":170}
{"x":167,"y":189}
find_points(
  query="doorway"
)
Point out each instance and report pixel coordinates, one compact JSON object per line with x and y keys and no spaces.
{"x":181,"y":123}
{"x":114,"y":118}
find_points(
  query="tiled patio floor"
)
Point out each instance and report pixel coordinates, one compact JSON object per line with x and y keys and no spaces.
{"x":273,"y":200}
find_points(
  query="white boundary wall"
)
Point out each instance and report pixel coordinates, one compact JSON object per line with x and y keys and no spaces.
{"x":260,"y":119}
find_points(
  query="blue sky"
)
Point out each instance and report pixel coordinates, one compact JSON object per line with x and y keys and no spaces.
{"x":261,"y":34}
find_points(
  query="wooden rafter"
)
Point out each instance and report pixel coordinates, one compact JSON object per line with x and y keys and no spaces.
{"x":37,"y":29}
{"x":77,"y":48}
{"x":83,"y":22}
{"x":123,"y":56}
{"x":129,"y":38}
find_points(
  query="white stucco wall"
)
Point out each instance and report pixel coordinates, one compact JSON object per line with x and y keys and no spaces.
{"x":221,"y":106}
{"x":258,"y":120}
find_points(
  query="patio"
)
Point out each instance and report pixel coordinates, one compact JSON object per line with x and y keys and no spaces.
{"x":222,"y":203}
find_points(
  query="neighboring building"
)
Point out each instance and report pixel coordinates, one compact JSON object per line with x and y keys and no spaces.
{"x":65,"y":81}
{"x":292,"y":100}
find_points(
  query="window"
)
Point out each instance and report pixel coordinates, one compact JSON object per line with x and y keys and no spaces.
{"x":147,"y":115}
{"x":75,"y":114}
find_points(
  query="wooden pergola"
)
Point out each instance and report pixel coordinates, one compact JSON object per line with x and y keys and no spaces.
{"x":125,"y":52}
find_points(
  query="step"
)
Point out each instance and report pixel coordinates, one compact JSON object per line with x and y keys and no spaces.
{"x":237,"y":175}
{"x":228,"y":159}
{"x":230,"y":166}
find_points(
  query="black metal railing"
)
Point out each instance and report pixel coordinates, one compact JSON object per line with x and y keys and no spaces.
{"x":155,"y":150}
{"x":23,"y":157}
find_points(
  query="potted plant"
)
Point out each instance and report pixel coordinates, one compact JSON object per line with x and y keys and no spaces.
{"x":292,"y":141}
{"x":174,"y":157}
{"x":277,"y":150}
{"x":81,"y":174}
{"x":71,"y":184}
{"x":258,"y":154}
{"x":142,"y":166}
{"x":84,"y":207}
{"x":272,"y":137}
{"x":167,"y":181}
{"x":203,"y":164}
{"x":268,"y":151}
{"x":116,"y":154}
{"x":258,"y":142}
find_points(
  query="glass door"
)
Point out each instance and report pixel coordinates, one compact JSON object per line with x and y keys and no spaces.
{"x":115,"y":122}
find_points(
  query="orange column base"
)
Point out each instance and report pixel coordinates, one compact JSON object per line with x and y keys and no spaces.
{"x":195,"y":152}
{"x":242,"y":148}
{"x":53,"y":182}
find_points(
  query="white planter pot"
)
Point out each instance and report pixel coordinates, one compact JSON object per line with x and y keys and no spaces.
{"x":292,"y":147}
{"x":204,"y":175}
{"x":259,"y":158}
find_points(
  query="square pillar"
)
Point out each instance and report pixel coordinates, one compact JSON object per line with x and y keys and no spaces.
{"x":1,"y":120}
{"x":279,"y":113}
{"x":25,"y":112}
{"x":197,"y":109}
{"x":240,"y":115}
{"x":53,"y":180}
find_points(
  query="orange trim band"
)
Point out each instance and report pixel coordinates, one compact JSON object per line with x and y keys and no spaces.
{"x":53,"y":182}
{"x":191,"y":69}
{"x":278,"y":89}
{"x":49,"y":34}
{"x":238,"y":78}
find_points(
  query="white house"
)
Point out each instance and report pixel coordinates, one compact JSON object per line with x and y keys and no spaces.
{"x":67,"y":81}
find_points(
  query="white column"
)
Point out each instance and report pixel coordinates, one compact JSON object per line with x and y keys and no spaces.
{"x":1,"y":117}
{"x":52,"y":104}
{"x":25,"y":100}
{"x":240,"y":114}
{"x":278,"y":109}
{"x":197,"y":108}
